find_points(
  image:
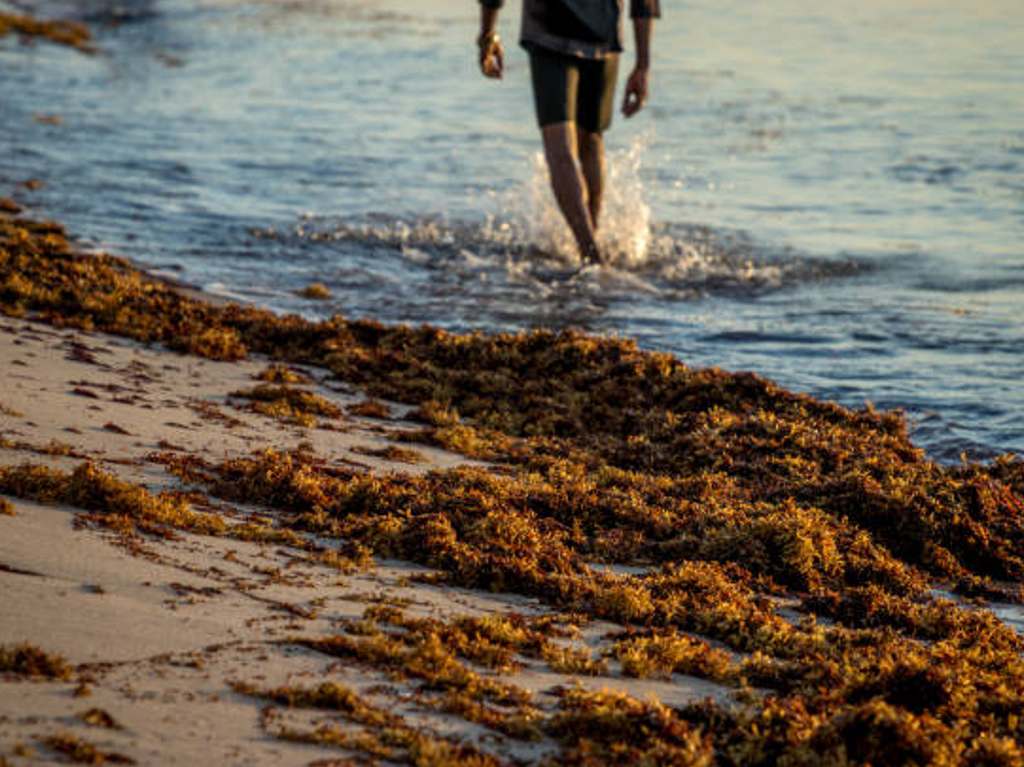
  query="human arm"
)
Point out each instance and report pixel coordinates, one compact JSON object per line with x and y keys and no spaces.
{"x":643,"y":12}
{"x":492,"y":55}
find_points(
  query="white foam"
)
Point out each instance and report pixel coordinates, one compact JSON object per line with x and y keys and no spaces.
{"x":529,"y":214}
{"x":524,"y":241}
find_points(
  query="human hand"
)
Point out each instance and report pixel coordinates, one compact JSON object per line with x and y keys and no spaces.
{"x":492,"y":56}
{"x":636,"y":92}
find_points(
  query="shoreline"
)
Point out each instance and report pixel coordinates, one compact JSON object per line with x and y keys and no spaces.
{"x":541,"y":510}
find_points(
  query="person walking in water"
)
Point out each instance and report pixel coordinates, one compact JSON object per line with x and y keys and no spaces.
{"x":574,"y":48}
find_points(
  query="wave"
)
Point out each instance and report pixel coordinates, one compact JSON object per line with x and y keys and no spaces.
{"x":677,"y":261}
{"x":525,"y":242}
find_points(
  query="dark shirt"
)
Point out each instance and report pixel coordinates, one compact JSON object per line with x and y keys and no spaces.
{"x":590,"y":29}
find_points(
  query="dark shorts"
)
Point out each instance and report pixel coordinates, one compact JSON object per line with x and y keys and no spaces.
{"x":570,"y":89}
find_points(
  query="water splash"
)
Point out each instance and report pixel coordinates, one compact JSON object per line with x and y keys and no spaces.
{"x":529,"y":214}
{"x":524,"y":247}
{"x":625,"y":233}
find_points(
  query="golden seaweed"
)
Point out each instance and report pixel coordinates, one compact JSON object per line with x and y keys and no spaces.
{"x":722,"y":491}
{"x":391,"y":453}
{"x":29,"y":661}
{"x":315,"y":291}
{"x":287,"y":404}
{"x":80,"y":751}
{"x":71,"y":33}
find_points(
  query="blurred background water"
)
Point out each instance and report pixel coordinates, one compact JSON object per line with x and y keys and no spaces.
{"x":831,"y":195}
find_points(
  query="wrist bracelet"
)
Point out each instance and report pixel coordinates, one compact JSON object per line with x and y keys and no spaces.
{"x":487,"y":39}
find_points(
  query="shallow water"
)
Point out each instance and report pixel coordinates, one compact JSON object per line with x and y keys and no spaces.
{"x":832,"y":197}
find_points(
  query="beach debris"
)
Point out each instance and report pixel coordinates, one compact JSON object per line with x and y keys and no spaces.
{"x":615,"y":728}
{"x":386,"y":734}
{"x":9,"y":411}
{"x":657,"y":653}
{"x":391,"y":453}
{"x":210,"y":412}
{"x":19,"y":570}
{"x":23,"y":750}
{"x":315,"y":291}
{"x":113,"y":503}
{"x":355,"y":558}
{"x":288,"y":404}
{"x":29,"y":661}
{"x":80,"y":751}
{"x":572,"y":660}
{"x":370,"y":408}
{"x":97,"y":717}
{"x":282,"y":374}
{"x":70,"y":33}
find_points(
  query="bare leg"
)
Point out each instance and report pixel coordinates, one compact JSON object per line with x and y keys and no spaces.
{"x":591,"y":150}
{"x":569,"y":186}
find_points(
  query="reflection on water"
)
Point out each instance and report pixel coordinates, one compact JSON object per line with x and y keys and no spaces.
{"x":831,"y":196}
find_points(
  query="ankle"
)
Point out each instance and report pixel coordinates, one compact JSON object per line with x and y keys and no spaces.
{"x":591,"y":254}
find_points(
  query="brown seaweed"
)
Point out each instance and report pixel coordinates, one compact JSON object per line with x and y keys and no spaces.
{"x":315,"y":291}
{"x":288,"y":404}
{"x":29,"y":661}
{"x":723,"y":491}
{"x":71,"y":33}
{"x":80,"y":751}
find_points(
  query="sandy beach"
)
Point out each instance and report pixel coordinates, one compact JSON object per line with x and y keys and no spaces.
{"x":160,"y":629}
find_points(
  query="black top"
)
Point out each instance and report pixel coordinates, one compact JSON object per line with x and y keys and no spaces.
{"x":585,"y":28}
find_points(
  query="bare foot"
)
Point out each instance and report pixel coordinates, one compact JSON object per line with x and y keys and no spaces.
{"x":592,"y":256}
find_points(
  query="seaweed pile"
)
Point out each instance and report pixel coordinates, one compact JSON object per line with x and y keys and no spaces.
{"x":288,"y":404}
{"x":724,"y":492}
{"x":120,"y":505}
{"x":896,"y":658}
{"x":30,"y":661}
{"x":80,"y":751}
{"x":591,"y":728}
{"x":70,"y":33}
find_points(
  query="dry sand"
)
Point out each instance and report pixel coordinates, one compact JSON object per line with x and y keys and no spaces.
{"x":164,"y":630}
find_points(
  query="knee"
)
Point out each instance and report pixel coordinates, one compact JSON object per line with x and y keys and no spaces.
{"x":558,"y":142}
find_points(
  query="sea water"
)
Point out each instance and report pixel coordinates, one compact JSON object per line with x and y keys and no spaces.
{"x":829,"y":194}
